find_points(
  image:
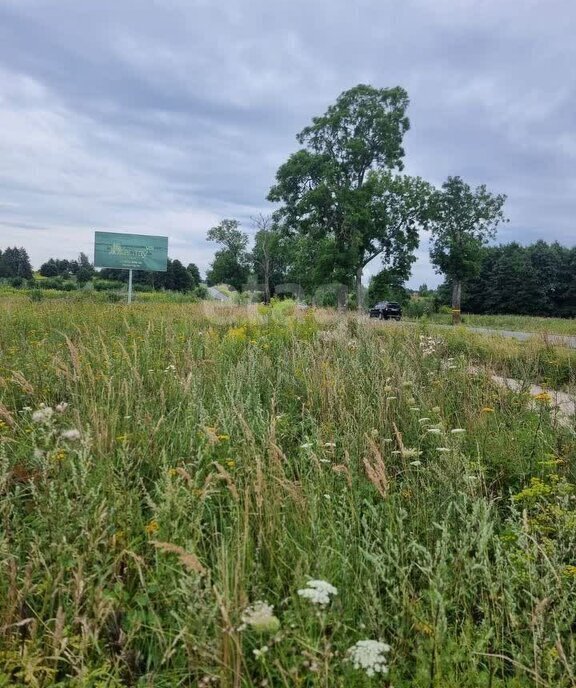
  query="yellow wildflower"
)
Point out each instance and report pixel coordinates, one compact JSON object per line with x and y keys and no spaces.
{"x":237,"y":334}
{"x":230,"y":463}
{"x":569,"y":571}
{"x":423,"y":627}
{"x":152,"y":527}
{"x":543,"y":397}
{"x":487,"y":409}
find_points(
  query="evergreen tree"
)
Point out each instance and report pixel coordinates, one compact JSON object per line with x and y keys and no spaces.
{"x":15,"y":262}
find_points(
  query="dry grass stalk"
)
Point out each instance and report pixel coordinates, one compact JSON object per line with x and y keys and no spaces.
{"x":224,"y":475}
{"x":376,"y":469}
{"x":183,"y":473}
{"x":187,"y":559}
{"x":23,"y":383}
{"x":6,"y":416}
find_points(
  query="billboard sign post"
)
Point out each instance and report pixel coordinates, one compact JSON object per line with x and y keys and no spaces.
{"x":130,"y":252}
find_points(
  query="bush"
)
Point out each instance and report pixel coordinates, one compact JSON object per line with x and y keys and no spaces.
{"x":36,"y":295}
{"x":107,"y":285}
{"x":418,"y":308}
{"x":57,"y":283}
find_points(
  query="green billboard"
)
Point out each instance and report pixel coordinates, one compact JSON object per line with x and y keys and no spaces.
{"x":130,"y":251}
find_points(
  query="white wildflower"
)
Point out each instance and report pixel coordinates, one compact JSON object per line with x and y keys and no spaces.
{"x":71,"y":435}
{"x":260,"y":617}
{"x":259,"y":653}
{"x":61,"y":407}
{"x":434,"y":431}
{"x":436,"y":409}
{"x":424,"y":420}
{"x":318,"y":592}
{"x":410,"y":453}
{"x":306,"y":445}
{"x":391,"y":398}
{"x":442,"y":450}
{"x":415,"y":463}
{"x":43,"y":414}
{"x":370,"y":656}
{"x":38,"y":454}
{"x":415,"y":409}
{"x":330,"y":445}
{"x":458,"y":431}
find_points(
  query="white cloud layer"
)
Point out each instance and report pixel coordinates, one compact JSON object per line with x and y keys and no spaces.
{"x":165,"y":117}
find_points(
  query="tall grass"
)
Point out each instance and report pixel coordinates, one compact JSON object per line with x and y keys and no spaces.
{"x":228,"y":456}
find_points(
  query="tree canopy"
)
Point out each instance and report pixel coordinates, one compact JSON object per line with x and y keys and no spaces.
{"x":231,"y":262}
{"x":461,"y":221}
{"x":15,"y":263}
{"x":339,"y":188}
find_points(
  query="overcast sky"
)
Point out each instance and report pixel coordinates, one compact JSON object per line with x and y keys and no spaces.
{"x":166,"y":116}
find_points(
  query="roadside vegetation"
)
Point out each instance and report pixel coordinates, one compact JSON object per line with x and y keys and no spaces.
{"x":515,"y":323}
{"x":179,"y":509}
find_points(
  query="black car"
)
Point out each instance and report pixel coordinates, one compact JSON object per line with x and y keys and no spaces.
{"x":386,"y":310}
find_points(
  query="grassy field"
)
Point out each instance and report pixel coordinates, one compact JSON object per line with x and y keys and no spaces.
{"x":518,"y":323}
{"x":174,"y":478}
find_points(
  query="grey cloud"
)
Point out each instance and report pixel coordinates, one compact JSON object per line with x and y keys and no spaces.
{"x":166,"y":117}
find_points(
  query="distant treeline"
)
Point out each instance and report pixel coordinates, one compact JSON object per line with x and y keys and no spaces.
{"x":539,"y":279}
{"x":67,"y":275}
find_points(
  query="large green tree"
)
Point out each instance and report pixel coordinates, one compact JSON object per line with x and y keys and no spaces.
{"x":339,"y":188}
{"x":231,"y":262}
{"x":192,"y":268}
{"x":386,"y":285}
{"x":461,"y":221}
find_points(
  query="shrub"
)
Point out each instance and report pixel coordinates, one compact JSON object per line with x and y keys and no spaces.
{"x":36,"y":295}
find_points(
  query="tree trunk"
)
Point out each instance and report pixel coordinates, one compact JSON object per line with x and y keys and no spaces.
{"x":266,"y":281}
{"x":456,"y":298}
{"x":359,"y":290}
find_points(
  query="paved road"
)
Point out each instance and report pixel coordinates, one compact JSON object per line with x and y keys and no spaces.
{"x":217,"y":294}
{"x":563,"y":405}
{"x":558,"y":339}
{"x":563,"y":340}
